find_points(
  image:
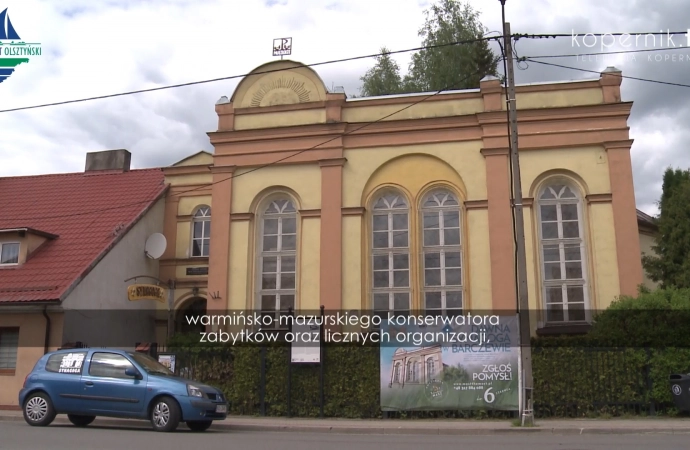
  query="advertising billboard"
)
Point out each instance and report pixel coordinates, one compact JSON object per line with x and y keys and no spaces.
{"x":450,"y":365}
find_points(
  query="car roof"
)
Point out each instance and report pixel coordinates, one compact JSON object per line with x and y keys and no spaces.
{"x":87,"y":349}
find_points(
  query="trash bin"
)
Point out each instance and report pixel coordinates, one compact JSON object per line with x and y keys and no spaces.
{"x":680,"y":390}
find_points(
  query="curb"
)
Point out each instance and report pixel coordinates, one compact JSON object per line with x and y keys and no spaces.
{"x":125,"y":423}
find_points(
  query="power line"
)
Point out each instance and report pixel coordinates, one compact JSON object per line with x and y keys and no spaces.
{"x":612,"y":73}
{"x":516,"y":36}
{"x":213,"y":80}
{"x":83,"y":213}
{"x":574,"y":35}
{"x":604,"y":53}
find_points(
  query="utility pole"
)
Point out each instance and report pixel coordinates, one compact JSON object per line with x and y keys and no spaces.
{"x":521,"y":260}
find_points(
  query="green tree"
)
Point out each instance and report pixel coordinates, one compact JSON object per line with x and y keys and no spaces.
{"x":383,"y":78}
{"x":671,"y":264}
{"x":435,"y":68}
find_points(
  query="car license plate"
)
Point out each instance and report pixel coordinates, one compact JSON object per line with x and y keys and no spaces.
{"x":221,"y":409}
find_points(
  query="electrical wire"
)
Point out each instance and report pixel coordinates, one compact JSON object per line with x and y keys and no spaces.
{"x":605,"y":53}
{"x":204,"y":186}
{"x":668,"y":83}
{"x":192,"y":83}
{"x":573,"y":35}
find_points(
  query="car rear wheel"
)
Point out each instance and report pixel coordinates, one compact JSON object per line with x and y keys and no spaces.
{"x":201,"y":425}
{"x":80,"y":421}
{"x":165,"y":414}
{"x":38,"y":410}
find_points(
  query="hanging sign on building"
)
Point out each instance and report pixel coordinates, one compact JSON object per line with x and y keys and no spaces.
{"x":137,"y":292}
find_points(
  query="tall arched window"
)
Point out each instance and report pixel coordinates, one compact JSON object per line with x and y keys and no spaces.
{"x":430,"y":369}
{"x":442,"y":254}
{"x":391,"y":255}
{"x":564,"y":271}
{"x":277,"y":257}
{"x":201,"y":232}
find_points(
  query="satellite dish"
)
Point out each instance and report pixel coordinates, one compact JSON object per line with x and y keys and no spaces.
{"x":155,"y":246}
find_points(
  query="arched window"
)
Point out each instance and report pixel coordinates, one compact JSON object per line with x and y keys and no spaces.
{"x":564,"y":271}
{"x":396,"y":373}
{"x":415,"y":371}
{"x":442,"y":252}
{"x":277,"y":257}
{"x":391,"y":255}
{"x":430,"y":369}
{"x":409,"y":370}
{"x":201,"y":232}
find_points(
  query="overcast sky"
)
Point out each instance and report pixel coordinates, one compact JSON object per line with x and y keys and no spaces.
{"x":98,"y":47}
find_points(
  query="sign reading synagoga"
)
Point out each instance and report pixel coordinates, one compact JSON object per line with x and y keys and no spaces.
{"x":441,"y":374}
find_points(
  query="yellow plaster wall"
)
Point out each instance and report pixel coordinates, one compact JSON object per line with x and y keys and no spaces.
{"x":352,"y":263}
{"x":477,"y":270}
{"x":188,"y":204}
{"x":182,"y":242}
{"x":559,"y":99}
{"x":358,"y":112}
{"x":603,"y":256}
{"x":309,"y":257}
{"x":190,"y":179}
{"x":461,"y":158}
{"x":241,"y":267}
{"x":280,"y":119}
{"x":585,"y":162}
{"x":304,"y":180}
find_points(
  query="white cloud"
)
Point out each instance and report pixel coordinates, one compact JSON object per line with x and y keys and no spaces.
{"x":93,"y":48}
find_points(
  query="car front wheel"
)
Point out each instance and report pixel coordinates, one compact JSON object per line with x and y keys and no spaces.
{"x":201,"y":425}
{"x":38,"y":410}
{"x":80,"y":421}
{"x":165,"y":414}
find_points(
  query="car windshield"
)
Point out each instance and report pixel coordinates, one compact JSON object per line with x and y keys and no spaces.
{"x":150,"y":365}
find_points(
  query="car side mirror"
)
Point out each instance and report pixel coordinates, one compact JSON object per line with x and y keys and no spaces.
{"x":132,"y":372}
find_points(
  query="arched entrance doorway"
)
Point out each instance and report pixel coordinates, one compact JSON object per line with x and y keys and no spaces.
{"x":191,"y":311}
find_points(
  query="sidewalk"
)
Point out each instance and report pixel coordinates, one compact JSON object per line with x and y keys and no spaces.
{"x":427,"y":426}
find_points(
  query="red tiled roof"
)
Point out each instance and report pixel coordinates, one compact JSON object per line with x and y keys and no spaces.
{"x":65,"y":205}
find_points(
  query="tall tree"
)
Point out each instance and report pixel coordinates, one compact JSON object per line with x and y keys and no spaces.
{"x":434,"y":68}
{"x":383,"y":78}
{"x":671,"y":264}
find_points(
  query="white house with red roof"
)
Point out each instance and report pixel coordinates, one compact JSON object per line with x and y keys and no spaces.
{"x":68,"y":242}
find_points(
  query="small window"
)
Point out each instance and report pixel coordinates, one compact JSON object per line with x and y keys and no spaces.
{"x":201,"y":232}
{"x":66,"y":363}
{"x":9,"y":342}
{"x":9,"y":253}
{"x":109,"y":365}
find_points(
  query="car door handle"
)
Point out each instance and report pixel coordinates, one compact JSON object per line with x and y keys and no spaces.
{"x":89,"y":383}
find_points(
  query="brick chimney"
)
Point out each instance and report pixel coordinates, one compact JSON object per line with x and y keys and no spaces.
{"x":110,"y":160}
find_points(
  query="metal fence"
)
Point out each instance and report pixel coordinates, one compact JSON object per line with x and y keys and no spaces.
{"x":577,"y":382}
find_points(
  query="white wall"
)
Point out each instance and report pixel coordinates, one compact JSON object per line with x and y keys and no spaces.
{"x":97,"y":311}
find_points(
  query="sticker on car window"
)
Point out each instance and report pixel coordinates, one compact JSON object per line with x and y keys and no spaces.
{"x":71,"y":363}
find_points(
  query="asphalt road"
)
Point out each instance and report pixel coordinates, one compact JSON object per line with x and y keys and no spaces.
{"x":19,"y":436}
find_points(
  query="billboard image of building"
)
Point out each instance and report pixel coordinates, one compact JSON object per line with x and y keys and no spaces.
{"x":431,"y":368}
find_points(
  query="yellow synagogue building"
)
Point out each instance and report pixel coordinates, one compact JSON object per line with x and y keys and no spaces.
{"x":402,"y":202}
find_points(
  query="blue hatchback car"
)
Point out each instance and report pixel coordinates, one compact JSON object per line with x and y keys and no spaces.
{"x":85,"y":383}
